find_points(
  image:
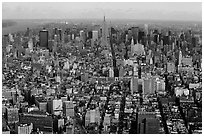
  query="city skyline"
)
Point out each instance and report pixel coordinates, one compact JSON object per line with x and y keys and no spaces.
{"x":165,"y":11}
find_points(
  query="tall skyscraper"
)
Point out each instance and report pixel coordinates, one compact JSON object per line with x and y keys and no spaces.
{"x":180,"y":58}
{"x":146,"y":29}
{"x":135,"y":31}
{"x":104,"y":33}
{"x":43,"y":38}
{"x":95,"y":35}
{"x":134,"y":85}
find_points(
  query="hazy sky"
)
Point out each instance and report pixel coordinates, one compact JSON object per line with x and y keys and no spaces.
{"x":163,"y":11}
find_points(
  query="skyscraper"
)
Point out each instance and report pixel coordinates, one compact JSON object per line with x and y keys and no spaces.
{"x":43,"y":38}
{"x":180,"y":58}
{"x":95,"y":35}
{"x":104,"y":33}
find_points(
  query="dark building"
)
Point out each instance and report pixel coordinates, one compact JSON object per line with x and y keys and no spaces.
{"x":43,"y":35}
{"x":55,"y":32}
{"x":133,"y":129}
{"x":27,"y":33}
{"x":156,"y":38}
{"x":67,"y":31}
{"x":60,"y":34}
{"x":166,"y":40}
{"x":194,"y":42}
{"x":89,"y":35}
{"x":141,"y":35}
{"x":135,"y":31}
{"x":39,"y":119}
{"x":147,"y":123}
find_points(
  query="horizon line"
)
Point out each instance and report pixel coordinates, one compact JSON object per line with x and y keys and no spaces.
{"x":200,"y":21}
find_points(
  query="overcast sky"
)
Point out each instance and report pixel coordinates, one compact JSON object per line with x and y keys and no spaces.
{"x":161,"y":11}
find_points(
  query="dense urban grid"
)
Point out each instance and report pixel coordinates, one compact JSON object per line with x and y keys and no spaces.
{"x":103,"y":78}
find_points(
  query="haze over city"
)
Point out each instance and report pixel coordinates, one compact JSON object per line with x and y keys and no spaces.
{"x":141,"y":11}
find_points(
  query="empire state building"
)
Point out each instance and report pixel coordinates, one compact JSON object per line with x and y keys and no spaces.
{"x":104,"y":33}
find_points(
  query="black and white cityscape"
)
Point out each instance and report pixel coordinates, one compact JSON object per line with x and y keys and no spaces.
{"x":102,"y":68}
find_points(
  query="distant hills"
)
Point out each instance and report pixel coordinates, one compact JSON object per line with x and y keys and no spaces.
{"x":12,"y":26}
{"x":7,"y":23}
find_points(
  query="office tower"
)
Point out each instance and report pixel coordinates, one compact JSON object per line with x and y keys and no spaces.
{"x":40,"y":120}
{"x":30,"y":44}
{"x":95,"y":35}
{"x":81,"y":34}
{"x":73,"y":36}
{"x":170,"y":67}
{"x":141,"y":35}
{"x":97,"y":116}
{"x":187,"y":61}
{"x":106,"y":122}
{"x":68,"y":108}
{"x":147,"y":123}
{"x":60,"y":34}
{"x":139,"y":72}
{"x":194,"y":41}
{"x":111,"y":72}
{"x":28,"y":32}
{"x":104,"y":33}
{"x":100,"y":32}
{"x":43,"y":35}
{"x":160,"y":85}
{"x":10,"y":36}
{"x":156,"y":38}
{"x":55,"y":31}
{"x":54,"y":106}
{"x":25,"y":128}
{"x":92,"y":116}
{"x":180,"y":58}
{"x":5,"y":41}
{"x":129,"y":33}
{"x":133,"y":128}
{"x":87,"y":118}
{"x":134,"y":85}
{"x":146,"y":29}
{"x":132,"y":46}
{"x":147,"y":87}
{"x":12,"y":115}
{"x":67,"y":31}
{"x":41,"y":103}
{"x":166,"y":40}
{"x":89,"y":35}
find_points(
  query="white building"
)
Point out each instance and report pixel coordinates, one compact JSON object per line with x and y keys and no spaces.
{"x":95,"y":35}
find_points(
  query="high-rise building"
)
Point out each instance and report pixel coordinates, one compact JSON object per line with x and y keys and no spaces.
{"x":12,"y":115}
{"x":141,"y":36}
{"x":68,"y":108}
{"x":60,"y":34}
{"x":25,"y":128}
{"x":43,"y":35}
{"x":92,"y":116}
{"x":40,"y":120}
{"x":134,"y":85}
{"x":104,"y":33}
{"x":146,"y":29}
{"x":170,"y":67}
{"x":111,"y":72}
{"x":87,"y":118}
{"x":147,"y":123}
{"x":55,"y":106}
{"x":95,"y":35}
{"x":148,"y":86}
{"x":180,"y":58}
{"x":166,"y":40}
